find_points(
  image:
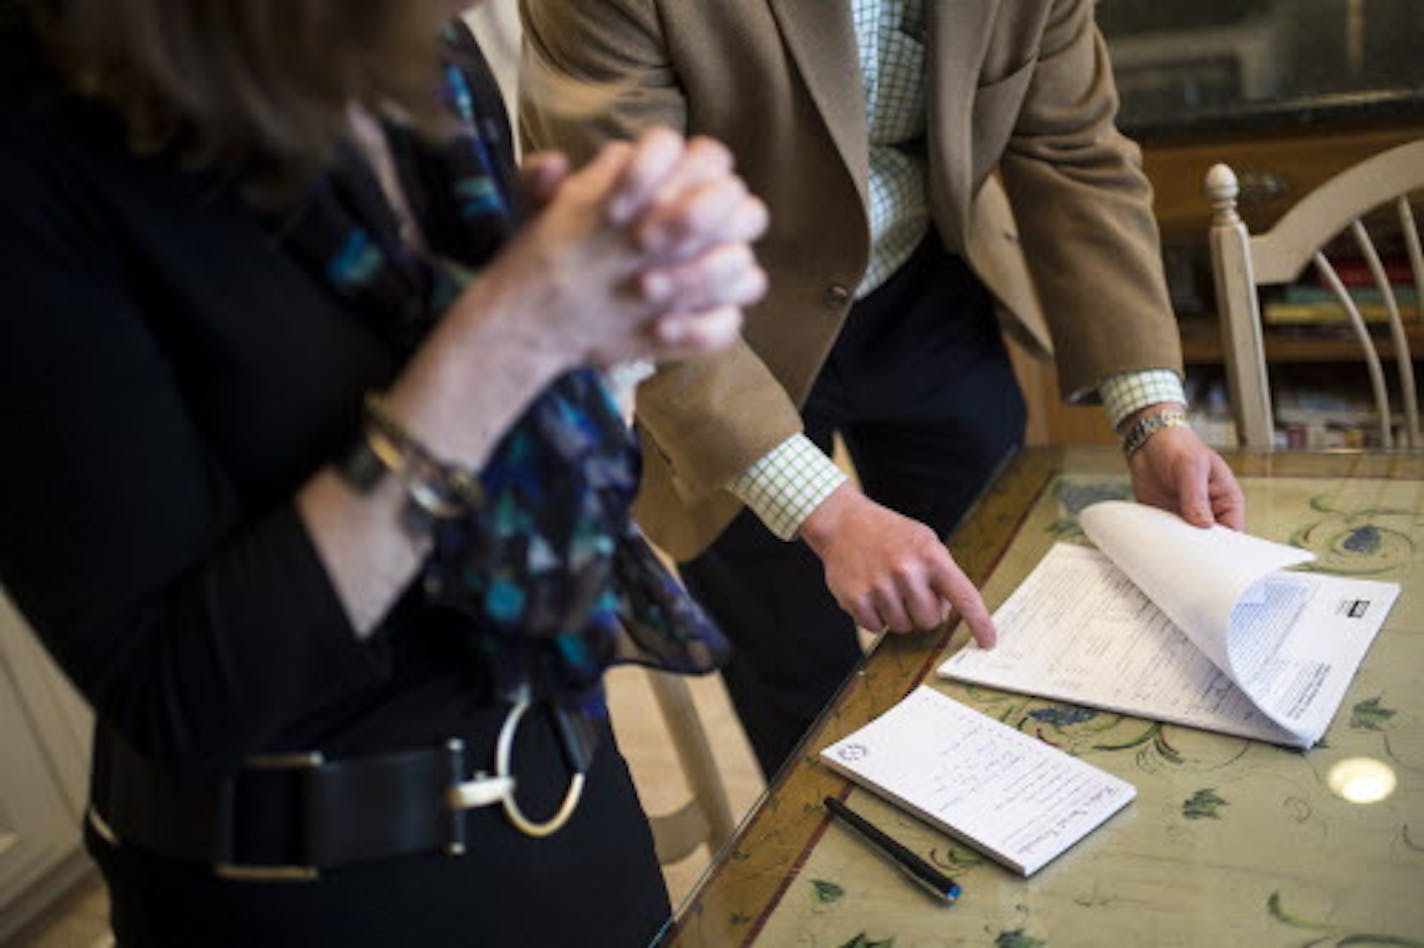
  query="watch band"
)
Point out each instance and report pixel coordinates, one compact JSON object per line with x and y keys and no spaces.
{"x":360,"y":466}
{"x":1145,"y":428}
{"x":435,"y":490}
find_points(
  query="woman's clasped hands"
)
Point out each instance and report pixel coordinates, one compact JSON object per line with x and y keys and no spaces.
{"x":644,"y":253}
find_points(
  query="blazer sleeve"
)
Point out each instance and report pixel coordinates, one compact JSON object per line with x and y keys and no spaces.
{"x":198,"y":628}
{"x":709,"y":418}
{"x":1091,"y":241}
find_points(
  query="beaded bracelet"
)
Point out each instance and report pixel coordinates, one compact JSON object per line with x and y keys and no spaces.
{"x":437,"y":490}
{"x":1145,"y":428}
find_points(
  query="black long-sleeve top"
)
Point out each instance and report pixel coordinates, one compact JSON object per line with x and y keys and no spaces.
{"x":168,"y":378}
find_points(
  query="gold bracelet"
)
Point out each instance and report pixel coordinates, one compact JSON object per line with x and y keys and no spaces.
{"x":1144,"y":428}
{"x":436,"y":488}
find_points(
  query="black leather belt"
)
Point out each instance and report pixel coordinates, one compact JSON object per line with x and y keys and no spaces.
{"x":288,"y":817}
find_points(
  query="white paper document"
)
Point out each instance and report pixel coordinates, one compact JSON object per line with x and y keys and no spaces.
{"x":1175,"y":623}
{"x":1011,"y":796}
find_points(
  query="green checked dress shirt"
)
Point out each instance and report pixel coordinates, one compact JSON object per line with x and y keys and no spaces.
{"x":794,"y":478}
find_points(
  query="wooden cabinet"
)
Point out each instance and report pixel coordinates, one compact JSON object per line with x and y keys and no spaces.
{"x":1277,"y":168}
{"x":1275,"y":171}
{"x":44,"y":767}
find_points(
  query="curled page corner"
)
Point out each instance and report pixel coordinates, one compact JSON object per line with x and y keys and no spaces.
{"x":1174,"y":563}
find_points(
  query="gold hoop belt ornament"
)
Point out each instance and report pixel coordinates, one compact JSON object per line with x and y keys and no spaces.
{"x":503,"y":747}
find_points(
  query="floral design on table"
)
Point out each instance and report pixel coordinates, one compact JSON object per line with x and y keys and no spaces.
{"x":1073,"y":497}
{"x":1018,"y":939}
{"x":1078,"y":730}
{"x":826,"y":892}
{"x":1323,"y":934}
{"x":1364,"y":542}
{"x":1204,"y":805}
{"x":863,"y":941}
{"x":1370,"y":715}
{"x":955,"y":857}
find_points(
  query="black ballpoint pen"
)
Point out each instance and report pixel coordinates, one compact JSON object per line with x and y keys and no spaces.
{"x":924,"y":875}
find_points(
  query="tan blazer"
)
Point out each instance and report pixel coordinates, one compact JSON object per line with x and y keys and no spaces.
{"x":1018,"y":86}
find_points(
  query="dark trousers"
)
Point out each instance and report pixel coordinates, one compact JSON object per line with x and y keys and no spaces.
{"x":920,"y":388}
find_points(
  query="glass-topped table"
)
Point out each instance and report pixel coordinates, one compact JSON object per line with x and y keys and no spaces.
{"x":1229,"y":842}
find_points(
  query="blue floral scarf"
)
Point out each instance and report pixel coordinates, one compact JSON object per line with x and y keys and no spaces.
{"x":554,"y":579}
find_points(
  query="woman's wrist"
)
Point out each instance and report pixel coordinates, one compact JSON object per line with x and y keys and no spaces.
{"x":476,"y":373}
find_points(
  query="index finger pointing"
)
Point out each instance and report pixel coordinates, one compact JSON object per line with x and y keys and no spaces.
{"x":949,"y":581}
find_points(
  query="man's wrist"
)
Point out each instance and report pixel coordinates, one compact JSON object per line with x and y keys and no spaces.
{"x":786,"y":485}
{"x":1147,"y":411}
{"x":1142,"y":425}
{"x":1126,"y":393}
{"x":821,"y":523}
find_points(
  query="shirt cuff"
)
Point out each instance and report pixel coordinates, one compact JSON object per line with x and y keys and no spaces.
{"x":787,"y":483}
{"x":1127,"y":392}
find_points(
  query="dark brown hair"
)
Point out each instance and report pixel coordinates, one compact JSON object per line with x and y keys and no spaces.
{"x":258,"y":87}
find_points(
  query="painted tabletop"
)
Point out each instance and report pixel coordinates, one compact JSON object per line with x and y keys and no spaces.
{"x":1229,"y":842}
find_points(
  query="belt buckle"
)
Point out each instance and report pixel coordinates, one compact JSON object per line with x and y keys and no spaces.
{"x":244,"y":872}
{"x":461,"y":794}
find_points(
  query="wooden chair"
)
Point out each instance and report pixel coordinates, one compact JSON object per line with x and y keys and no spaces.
{"x":1241,"y":263}
{"x":707,"y":817}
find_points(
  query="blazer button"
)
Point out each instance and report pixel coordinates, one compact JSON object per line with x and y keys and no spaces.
{"x":837,"y":296}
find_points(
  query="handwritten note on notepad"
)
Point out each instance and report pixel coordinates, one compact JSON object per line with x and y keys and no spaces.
{"x":1004,"y":793}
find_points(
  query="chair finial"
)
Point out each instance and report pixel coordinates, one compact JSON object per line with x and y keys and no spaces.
{"x":1222,"y":189}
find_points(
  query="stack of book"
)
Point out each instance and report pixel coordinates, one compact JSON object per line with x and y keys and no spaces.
{"x":1322,"y":407}
{"x":1315,"y":304}
{"x":1317,"y":407}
